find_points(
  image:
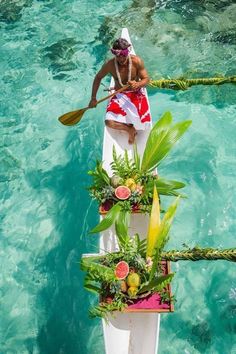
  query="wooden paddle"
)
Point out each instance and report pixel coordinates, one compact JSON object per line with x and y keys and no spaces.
{"x":72,"y":118}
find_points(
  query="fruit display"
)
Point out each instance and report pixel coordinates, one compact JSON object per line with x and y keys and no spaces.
{"x":137,"y":175}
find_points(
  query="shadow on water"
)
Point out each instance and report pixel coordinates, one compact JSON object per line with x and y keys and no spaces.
{"x":11,"y":10}
{"x":207,"y":332}
{"x":59,"y":58}
{"x":63,"y":304}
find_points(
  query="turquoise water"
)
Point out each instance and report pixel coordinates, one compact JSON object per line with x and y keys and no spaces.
{"x":50,"y":51}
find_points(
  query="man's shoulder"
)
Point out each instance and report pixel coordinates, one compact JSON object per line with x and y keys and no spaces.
{"x":136,"y":59}
{"x":109,"y":62}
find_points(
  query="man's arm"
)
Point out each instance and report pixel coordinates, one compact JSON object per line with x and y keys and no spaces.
{"x":142,"y":74}
{"x":96,"y":83}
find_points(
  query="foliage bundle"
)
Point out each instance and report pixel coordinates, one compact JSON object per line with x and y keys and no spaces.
{"x":144,"y":270}
{"x":136,"y":270}
{"x":130,"y":188}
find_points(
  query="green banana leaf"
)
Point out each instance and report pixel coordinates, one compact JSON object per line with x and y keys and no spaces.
{"x":161,"y":139}
{"x":163,"y":235}
{"x":108,"y":220}
{"x":121,"y":227}
{"x":157,"y":283}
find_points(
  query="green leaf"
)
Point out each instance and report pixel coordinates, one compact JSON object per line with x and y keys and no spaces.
{"x":163,"y":234}
{"x":100,"y":176}
{"x":97,"y":271}
{"x":141,"y":245}
{"x":136,"y":156}
{"x":103,"y":173}
{"x":126,"y":159}
{"x":166,"y":224}
{"x":157,"y":283}
{"x":166,"y":187}
{"x":170,"y":184}
{"x":121,"y":226}
{"x":161,"y":139}
{"x":108,"y":219}
{"x":92,"y":288}
{"x":122,"y":166}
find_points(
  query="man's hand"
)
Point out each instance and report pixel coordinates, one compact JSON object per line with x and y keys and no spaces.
{"x":134,"y":85}
{"x":93,"y":103}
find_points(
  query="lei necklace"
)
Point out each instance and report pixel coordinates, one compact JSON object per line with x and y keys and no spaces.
{"x":118,"y":73}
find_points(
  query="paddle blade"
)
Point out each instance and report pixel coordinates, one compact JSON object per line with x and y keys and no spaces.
{"x":72,"y":118}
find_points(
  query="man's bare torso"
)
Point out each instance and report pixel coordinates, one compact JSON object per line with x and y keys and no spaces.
{"x":124,"y":70}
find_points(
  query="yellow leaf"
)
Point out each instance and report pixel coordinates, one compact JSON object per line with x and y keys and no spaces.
{"x":154,"y":224}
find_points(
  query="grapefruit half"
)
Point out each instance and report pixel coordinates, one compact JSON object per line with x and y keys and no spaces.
{"x":122,"y":192}
{"x":122,"y":270}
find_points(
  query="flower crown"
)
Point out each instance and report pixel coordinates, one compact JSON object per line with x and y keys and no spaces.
{"x":120,"y":52}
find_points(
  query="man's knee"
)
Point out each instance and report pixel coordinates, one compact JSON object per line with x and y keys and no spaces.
{"x":109,"y":123}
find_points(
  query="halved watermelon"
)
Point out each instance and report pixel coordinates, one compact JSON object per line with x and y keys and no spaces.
{"x":122,"y":192}
{"x":122,"y":270}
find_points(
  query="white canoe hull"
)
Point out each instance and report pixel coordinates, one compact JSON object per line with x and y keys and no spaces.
{"x":127,"y":333}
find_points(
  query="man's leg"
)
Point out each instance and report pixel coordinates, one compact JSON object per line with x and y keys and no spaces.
{"x":122,"y":126}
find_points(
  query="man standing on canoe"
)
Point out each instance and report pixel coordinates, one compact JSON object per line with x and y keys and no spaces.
{"x":128,"y":110}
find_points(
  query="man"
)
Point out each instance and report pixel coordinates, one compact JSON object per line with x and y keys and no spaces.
{"x":129,"y":110}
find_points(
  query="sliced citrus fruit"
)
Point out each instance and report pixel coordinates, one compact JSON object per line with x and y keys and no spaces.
{"x":122,"y":192}
{"x":122,"y":270}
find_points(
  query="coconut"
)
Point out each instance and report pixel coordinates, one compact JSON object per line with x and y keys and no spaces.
{"x":116,"y":181}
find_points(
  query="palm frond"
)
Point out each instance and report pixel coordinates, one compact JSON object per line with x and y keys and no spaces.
{"x":99,"y":175}
{"x":157,"y":283}
{"x":161,"y":139}
{"x":122,"y":165}
{"x":92,"y":288}
{"x":96,"y":271}
{"x":198,"y":254}
{"x":141,"y":245}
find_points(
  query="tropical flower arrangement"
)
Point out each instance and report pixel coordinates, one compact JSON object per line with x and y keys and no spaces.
{"x":136,"y":270}
{"x":130,"y":187}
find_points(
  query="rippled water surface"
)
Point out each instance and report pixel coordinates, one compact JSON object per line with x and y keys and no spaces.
{"x":50,"y":51}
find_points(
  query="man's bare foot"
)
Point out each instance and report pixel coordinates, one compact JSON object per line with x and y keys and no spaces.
{"x":132,"y":135}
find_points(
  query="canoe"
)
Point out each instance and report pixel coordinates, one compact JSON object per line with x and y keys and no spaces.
{"x":133,"y":332}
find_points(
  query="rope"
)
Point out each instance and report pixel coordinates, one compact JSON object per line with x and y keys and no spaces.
{"x":198,"y":254}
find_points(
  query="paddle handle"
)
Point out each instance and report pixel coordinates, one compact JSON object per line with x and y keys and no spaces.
{"x":113,"y":94}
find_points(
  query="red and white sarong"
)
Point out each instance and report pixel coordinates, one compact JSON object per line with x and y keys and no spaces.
{"x":130,"y":107}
